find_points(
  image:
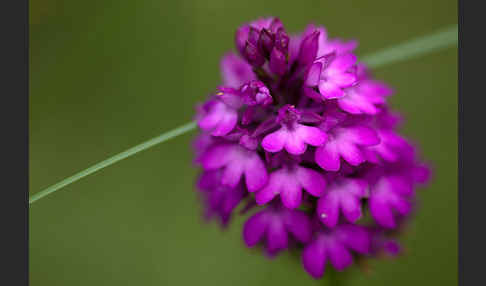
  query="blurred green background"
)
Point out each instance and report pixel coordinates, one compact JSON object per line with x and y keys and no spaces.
{"x":106,"y":75}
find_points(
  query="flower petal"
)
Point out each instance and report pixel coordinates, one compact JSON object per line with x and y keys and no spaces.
{"x":355,"y":103}
{"x":343,"y":62}
{"x":291,"y":193}
{"x":356,"y":238}
{"x":254,"y":228}
{"x":314,"y":259}
{"x":381,"y":212}
{"x":227,"y":123}
{"x":213,"y":116}
{"x":272,"y":188}
{"x":351,"y":153}
{"x":351,"y":207}
{"x":339,"y":256}
{"x":298,"y":223}
{"x":217,"y":156}
{"x":312,"y":181}
{"x":232,"y":174}
{"x":276,"y":236}
{"x":328,"y":209}
{"x":343,"y":79}
{"x":327,"y":157}
{"x":294,"y":144}
{"x":311,"y":135}
{"x":255,"y":173}
{"x":314,"y":74}
{"x":362,"y":135}
{"x":274,"y":142}
{"x":330,"y":90}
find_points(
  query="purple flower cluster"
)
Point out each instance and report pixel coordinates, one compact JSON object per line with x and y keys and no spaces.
{"x":301,"y":132}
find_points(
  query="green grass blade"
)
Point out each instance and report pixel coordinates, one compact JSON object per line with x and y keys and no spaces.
{"x":413,"y":48}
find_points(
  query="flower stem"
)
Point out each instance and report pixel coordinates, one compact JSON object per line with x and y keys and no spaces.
{"x":400,"y":52}
{"x":118,"y":157}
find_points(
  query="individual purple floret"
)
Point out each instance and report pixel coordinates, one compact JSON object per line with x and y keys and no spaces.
{"x":220,"y":200}
{"x":342,"y":197}
{"x":274,"y":226}
{"x":299,"y":135}
{"x":292,"y":135}
{"x":288,"y":182}
{"x":366,"y":96}
{"x":347,"y":142}
{"x":236,"y":161}
{"x":331,"y":74}
{"x":335,"y":246}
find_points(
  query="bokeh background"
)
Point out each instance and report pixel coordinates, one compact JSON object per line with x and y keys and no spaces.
{"x":106,"y":75}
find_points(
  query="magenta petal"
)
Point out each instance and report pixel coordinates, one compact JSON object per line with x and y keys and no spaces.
{"x":212,"y":113}
{"x":254,"y":228}
{"x":351,"y":153}
{"x":344,"y":62}
{"x":294,"y":144}
{"x":327,"y":157}
{"x":235,"y":71}
{"x":339,"y":256}
{"x":291,"y":193}
{"x":276,"y":236}
{"x":209,"y":121}
{"x":356,"y":187}
{"x":208,"y":180}
{"x":265,"y":195}
{"x":274,"y":142}
{"x":311,"y":135}
{"x":217,"y":157}
{"x":401,"y":205}
{"x":381,"y":212}
{"x":312,"y":181}
{"x":328,"y":209}
{"x":227,"y":123}
{"x":356,"y":105}
{"x":298,"y":223}
{"x":356,"y":238}
{"x":351,"y":207}
{"x":232,"y":199}
{"x":272,"y":188}
{"x":400,"y":185}
{"x":344,"y":79}
{"x":314,"y":74}
{"x":362,"y":135}
{"x":314,"y":259}
{"x":232,"y":174}
{"x":330,"y":90}
{"x":255,"y":173}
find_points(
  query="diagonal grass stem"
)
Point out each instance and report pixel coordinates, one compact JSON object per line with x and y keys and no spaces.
{"x":413,"y":48}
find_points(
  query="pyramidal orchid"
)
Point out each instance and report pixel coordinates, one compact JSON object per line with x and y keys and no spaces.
{"x":300,"y":135}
